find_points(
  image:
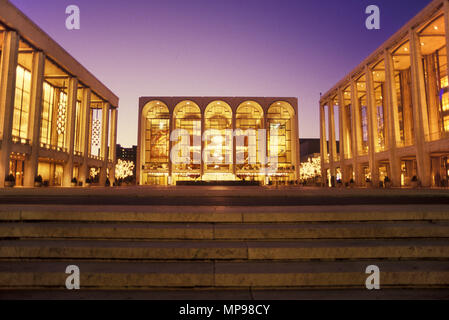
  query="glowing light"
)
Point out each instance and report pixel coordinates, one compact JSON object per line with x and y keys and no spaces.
{"x":60,"y":121}
{"x":124,"y":169}
{"x":310,"y":169}
{"x":96,"y":128}
{"x":94,"y":172}
{"x":217,"y":139}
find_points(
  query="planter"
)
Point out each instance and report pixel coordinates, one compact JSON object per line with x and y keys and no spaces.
{"x":37,"y":184}
{"x":9,"y":184}
{"x":414,"y":184}
{"x":369,"y":184}
{"x":87,"y":184}
{"x":351,"y":185}
{"x":387,"y":185}
{"x":73,"y":184}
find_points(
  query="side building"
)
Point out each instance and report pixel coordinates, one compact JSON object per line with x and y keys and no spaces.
{"x":217,"y":127}
{"x":57,"y":120}
{"x":392,"y":111}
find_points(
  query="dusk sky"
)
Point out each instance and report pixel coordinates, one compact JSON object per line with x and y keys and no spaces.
{"x":219,"y":48}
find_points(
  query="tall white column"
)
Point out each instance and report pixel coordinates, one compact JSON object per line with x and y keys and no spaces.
{"x":70,"y":130}
{"x":332,"y":142}
{"x":323,"y":144}
{"x":8,"y":65}
{"x":104,"y":143}
{"x":34,"y":129}
{"x":297,"y":151}
{"x":372,"y":126}
{"x":421,"y":122}
{"x":342,"y":134}
{"x":356,"y":132}
{"x":394,"y":136}
{"x":113,"y":143}
{"x":85,"y":134}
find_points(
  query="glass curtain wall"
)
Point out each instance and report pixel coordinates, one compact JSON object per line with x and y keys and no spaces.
{"x":363,"y":114}
{"x":403,"y":84}
{"x":218,"y":119}
{"x":21,"y":104}
{"x":187,"y":116}
{"x":249,"y":116}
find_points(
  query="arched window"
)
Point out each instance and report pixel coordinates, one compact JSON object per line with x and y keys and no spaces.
{"x":187,"y":116}
{"x":279,"y":131}
{"x":249,"y":119}
{"x":218,"y":119}
{"x":157,"y":135}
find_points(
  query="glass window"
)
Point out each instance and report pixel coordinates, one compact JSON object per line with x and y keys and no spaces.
{"x":249,"y":117}
{"x":379,"y":100}
{"x":364,"y":123}
{"x":47,"y":113}
{"x":157,"y":137}
{"x":96,"y":114}
{"x":279,"y":120}
{"x":78,"y":144}
{"x":218,"y":118}
{"x":187,"y":116}
{"x":21,"y":103}
{"x":61,"y":121}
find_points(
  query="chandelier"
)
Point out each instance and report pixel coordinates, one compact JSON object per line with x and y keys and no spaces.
{"x":96,"y":128}
{"x":60,"y":121}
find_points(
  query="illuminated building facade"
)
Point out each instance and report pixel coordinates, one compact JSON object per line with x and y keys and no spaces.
{"x":227,"y":139}
{"x":392,"y":111}
{"x":57,"y":120}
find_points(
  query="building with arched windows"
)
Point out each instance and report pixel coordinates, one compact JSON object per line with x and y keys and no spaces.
{"x":217,"y":139}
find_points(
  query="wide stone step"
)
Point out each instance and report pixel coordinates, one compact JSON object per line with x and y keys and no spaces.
{"x":205,"y":294}
{"x":263,"y":274}
{"x":202,"y":214}
{"x":227,"y":250}
{"x":225,"y":231}
{"x":226,"y":196}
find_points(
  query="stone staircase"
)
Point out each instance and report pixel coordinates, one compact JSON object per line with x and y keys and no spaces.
{"x":174,"y":252}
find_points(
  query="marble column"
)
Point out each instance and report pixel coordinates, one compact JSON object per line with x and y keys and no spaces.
{"x":34,"y":129}
{"x":70,"y":130}
{"x":421,"y":123}
{"x":8,"y":66}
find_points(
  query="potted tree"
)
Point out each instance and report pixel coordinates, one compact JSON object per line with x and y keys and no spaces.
{"x":414,"y":182}
{"x":339,"y":183}
{"x":38,"y":181}
{"x":74,"y":182}
{"x":88,"y":182}
{"x":10,"y":180}
{"x":351,"y":183}
{"x":387,"y":182}
{"x":369,"y":184}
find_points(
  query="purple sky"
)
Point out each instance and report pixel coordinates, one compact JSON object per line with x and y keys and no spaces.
{"x":219,"y":48}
